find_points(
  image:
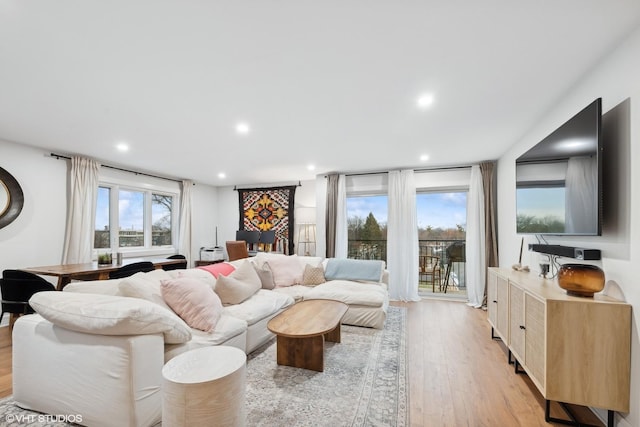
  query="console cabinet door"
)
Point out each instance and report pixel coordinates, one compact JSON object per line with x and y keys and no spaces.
{"x":535,"y":351}
{"x":516,"y":323}
{"x":502,"y":289}
{"x":492,"y":298}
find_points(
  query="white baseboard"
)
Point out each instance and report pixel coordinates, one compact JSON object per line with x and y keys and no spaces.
{"x":603,"y":415}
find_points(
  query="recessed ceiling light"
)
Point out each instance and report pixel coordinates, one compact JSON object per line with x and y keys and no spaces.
{"x":222,"y":175}
{"x":311,"y":167}
{"x":424,"y":158}
{"x":122,"y":147}
{"x":243,"y":128}
{"x":425,"y":101}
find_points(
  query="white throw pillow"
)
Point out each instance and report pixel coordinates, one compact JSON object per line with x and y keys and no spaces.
{"x":109,"y":315}
{"x":233,"y":291}
{"x":246,"y":273}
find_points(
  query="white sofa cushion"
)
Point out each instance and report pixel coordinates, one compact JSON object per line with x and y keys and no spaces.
{"x":109,"y":315}
{"x":259,"y":306}
{"x":144,"y":286}
{"x":225,"y":333}
{"x":349,"y":292}
{"x":196,"y":273}
{"x":297,"y":292}
{"x":104,"y":287}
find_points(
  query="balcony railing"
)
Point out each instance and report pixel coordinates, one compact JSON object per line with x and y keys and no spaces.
{"x":377,"y":249}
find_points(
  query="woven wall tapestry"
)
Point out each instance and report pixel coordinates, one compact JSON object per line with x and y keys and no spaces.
{"x":265,"y":209}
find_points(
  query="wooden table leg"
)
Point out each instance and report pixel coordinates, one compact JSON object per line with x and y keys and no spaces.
{"x":62,"y":282}
{"x":333,"y":336}
{"x":307,"y":353}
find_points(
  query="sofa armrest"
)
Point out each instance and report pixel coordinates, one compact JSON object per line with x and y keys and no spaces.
{"x":109,"y":315}
{"x":107,"y":380}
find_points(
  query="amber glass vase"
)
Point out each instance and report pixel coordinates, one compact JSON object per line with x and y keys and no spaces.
{"x":581,"y":279}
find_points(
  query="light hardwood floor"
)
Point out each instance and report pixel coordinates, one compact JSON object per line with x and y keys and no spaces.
{"x":458,"y":375}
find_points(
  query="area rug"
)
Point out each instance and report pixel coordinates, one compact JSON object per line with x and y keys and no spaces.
{"x":364,"y":383}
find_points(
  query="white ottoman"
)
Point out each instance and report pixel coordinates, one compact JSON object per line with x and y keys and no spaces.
{"x":205,"y":387}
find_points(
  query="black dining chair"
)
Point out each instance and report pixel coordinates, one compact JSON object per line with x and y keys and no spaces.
{"x":17,"y":287}
{"x":131,"y":269}
{"x":180,"y":266}
{"x":251,"y":238}
{"x":267,"y":239}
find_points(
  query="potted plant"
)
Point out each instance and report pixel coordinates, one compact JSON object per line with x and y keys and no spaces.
{"x":105,"y":259}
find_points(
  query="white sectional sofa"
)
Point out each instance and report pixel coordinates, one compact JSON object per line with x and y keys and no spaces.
{"x":98,"y":348}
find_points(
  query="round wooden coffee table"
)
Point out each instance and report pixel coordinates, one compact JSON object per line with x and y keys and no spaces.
{"x":302,"y":329}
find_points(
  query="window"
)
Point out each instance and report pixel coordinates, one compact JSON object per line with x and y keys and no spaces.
{"x":367,"y":227}
{"x":102,"y":237}
{"x":145,"y":220}
{"x":442,"y":215}
{"x":442,"y":224}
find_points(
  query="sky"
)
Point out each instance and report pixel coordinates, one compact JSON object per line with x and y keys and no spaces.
{"x":130,"y":209}
{"x":439,"y":210}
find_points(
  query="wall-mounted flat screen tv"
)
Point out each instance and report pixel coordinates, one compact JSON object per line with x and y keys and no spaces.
{"x":559,"y":180}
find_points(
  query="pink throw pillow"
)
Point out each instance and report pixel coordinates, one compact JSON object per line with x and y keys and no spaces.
{"x":219,"y":268}
{"x":193,"y":301}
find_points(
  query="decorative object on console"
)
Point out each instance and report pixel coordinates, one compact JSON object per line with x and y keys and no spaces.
{"x":265,"y":209}
{"x":544,"y":269}
{"x":519,"y":266}
{"x":581,"y":280}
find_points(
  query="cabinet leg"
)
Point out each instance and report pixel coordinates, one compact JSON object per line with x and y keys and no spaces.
{"x":572,"y":421}
{"x":517,"y":365}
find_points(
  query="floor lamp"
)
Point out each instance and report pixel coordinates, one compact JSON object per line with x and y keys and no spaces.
{"x":307,"y":238}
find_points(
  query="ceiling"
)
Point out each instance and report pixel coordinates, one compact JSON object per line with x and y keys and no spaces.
{"x":331,"y":83}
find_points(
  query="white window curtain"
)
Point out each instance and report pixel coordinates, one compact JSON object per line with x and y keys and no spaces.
{"x":81,"y":211}
{"x":581,"y":203}
{"x":475,"y":245}
{"x":402,"y":237}
{"x":184,"y":246}
{"x":342,"y":230}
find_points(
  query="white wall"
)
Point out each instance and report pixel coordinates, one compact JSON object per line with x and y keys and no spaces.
{"x":36,"y":236}
{"x":615,"y":79}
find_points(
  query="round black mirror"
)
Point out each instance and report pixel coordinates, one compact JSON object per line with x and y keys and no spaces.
{"x":11,"y":198}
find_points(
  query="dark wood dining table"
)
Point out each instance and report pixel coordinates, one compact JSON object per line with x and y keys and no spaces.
{"x":91,"y":270}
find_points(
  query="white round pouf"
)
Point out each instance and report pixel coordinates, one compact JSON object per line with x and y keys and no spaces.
{"x":205,"y":387}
